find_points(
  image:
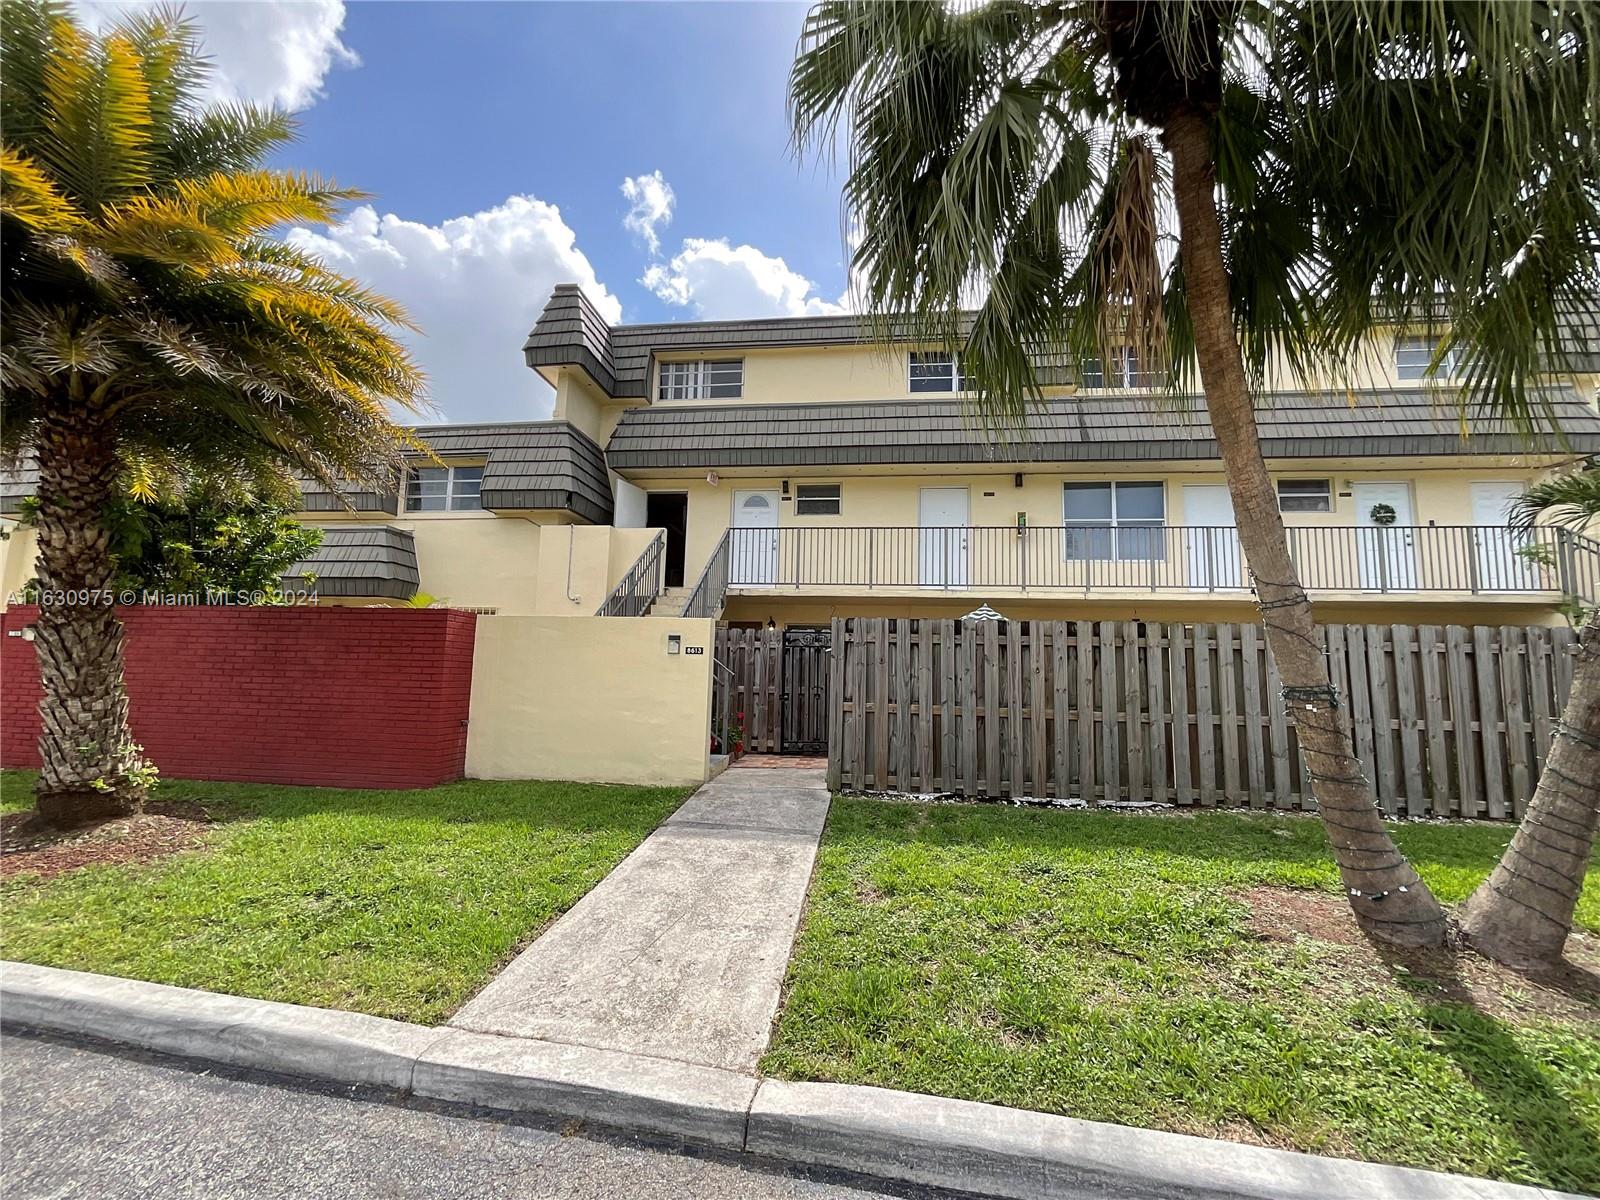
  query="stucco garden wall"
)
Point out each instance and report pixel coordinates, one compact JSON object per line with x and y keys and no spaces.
{"x":596,"y":699}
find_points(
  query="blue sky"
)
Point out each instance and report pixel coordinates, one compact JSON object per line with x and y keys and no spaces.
{"x":497,"y":139}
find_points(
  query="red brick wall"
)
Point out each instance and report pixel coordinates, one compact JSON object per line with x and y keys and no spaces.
{"x":339,"y":697}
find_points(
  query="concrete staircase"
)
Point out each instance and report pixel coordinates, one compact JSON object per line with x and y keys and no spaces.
{"x":670,"y":603}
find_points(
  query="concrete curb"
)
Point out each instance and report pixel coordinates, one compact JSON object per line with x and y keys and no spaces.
{"x":705,"y":1105}
{"x":1025,"y":1155}
{"x":624,"y":1091}
{"x":953,"y":1144}
{"x":316,"y":1043}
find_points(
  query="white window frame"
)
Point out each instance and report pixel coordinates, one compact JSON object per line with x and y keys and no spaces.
{"x":837,"y":498}
{"x":1305,"y":489}
{"x":1129,"y":549}
{"x":700,"y":379}
{"x":943,"y":373}
{"x":1124,"y":375}
{"x":454,"y":495}
{"x":1414,"y":351}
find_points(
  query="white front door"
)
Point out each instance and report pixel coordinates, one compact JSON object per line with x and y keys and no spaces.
{"x":1215,"y":560}
{"x":753,"y":547}
{"x":1387,"y":552}
{"x":1500,"y":567}
{"x":942,"y":544}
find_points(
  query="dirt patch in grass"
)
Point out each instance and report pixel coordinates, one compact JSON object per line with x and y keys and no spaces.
{"x":30,"y":847}
{"x":1570,"y":993}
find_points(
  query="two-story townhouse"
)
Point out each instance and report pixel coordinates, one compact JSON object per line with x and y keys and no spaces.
{"x":802,"y":472}
{"x":782,"y":472}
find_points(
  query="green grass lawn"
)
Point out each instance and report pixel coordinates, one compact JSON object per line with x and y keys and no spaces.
{"x":1108,"y":966}
{"x":400,"y":904}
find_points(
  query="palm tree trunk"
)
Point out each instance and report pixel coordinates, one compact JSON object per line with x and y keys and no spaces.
{"x":1522,"y":913}
{"x":88,"y":756}
{"x":1391,"y":902}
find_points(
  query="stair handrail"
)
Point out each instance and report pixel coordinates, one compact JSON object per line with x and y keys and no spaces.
{"x":1580,"y":582}
{"x":639,"y":587}
{"x":711,"y":589}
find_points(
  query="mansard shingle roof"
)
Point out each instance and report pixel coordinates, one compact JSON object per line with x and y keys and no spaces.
{"x":359,"y":560}
{"x":1391,"y":423}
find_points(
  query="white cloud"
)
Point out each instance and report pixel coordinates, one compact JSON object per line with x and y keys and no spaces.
{"x":266,"y":51}
{"x":475,"y":284}
{"x":720,"y":281}
{"x":650,"y":198}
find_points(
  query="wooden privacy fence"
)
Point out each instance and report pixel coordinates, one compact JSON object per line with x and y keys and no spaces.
{"x":1449,"y":721}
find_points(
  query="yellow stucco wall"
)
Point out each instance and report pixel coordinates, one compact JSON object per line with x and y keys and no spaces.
{"x":594,"y":699}
{"x":477,"y":561}
{"x":518,"y":566}
{"x":588,"y":408}
{"x":17,"y":552}
{"x":466,"y":560}
{"x":822,"y":374}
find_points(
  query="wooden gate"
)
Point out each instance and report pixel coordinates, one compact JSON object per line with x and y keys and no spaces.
{"x":803,"y":683}
{"x":775,"y":685}
{"x":1448,"y":721}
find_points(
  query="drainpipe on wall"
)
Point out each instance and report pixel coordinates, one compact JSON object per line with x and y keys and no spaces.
{"x":572,"y":536}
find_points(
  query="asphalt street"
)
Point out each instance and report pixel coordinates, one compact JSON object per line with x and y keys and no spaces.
{"x":85,"y":1121}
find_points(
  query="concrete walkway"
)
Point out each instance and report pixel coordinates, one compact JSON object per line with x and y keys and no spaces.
{"x":680,"y":952}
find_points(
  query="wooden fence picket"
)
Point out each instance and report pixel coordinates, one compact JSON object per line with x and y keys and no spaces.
{"x":1441,"y":782}
{"x":1494,"y":784}
{"x":1182,"y":738}
{"x":1205,"y":715}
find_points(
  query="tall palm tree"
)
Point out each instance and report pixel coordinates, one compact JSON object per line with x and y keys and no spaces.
{"x":1324,"y":166}
{"x":152,"y":326}
{"x":1522,"y":913}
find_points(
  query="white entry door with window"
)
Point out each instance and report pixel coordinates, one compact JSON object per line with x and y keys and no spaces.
{"x":1386,"y":552}
{"x":942,"y":541}
{"x":1500,"y":567}
{"x":1215,"y":559}
{"x":753,"y":540}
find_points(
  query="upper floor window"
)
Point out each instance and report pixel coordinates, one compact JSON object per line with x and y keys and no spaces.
{"x":443,"y":489}
{"x":936,"y":371}
{"x":702,"y":379}
{"x":1124,"y":371}
{"x":817,"y":500}
{"x":1115,"y":520}
{"x":1305,"y":495}
{"x":1412,"y":354}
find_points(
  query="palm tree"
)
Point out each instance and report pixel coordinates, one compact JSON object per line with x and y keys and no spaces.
{"x":1522,"y":913}
{"x":153,"y":327}
{"x":1323,"y":166}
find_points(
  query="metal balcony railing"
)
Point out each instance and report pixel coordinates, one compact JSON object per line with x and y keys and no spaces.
{"x":1476,"y":559}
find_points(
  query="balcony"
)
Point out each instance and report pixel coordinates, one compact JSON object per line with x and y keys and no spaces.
{"x":1102,"y":560}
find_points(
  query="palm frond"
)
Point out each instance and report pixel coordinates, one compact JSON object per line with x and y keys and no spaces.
{"x":244,"y":203}
{"x":96,"y":119}
{"x":1571,"y":500}
{"x":29,"y":196}
{"x":228,"y":137}
{"x":1448,"y":159}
